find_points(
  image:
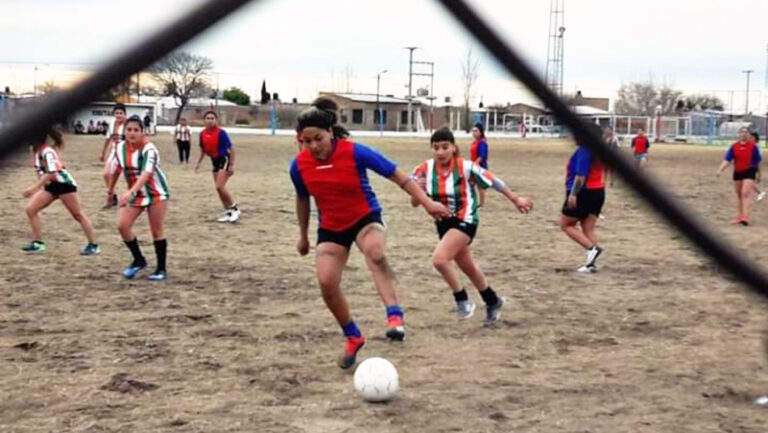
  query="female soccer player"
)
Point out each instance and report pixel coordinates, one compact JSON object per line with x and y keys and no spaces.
{"x":613,"y":142}
{"x":746,"y":160}
{"x":760,"y":194}
{"x":478,"y":153}
{"x":54,"y":181}
{"x":584,"y":198}
{"x":183,"y":137}
{"x":115,"y":134}
{"x":333,"y":170}
{"x":139,"y":161}
{"x":215,"y":143}
{"x":641,"y":145}
{"x":448,"y":179}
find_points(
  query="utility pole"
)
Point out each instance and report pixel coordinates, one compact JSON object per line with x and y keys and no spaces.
{"x":431,"y":96}
{"x":748,"y":72}
{"x":378,"y":109}
{"x":410,"y":86}
{"x":34,"y":89}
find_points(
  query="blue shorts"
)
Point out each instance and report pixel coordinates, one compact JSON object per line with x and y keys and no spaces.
{"x":641,"y":156}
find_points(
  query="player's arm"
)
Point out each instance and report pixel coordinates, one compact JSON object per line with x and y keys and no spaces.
{"x":485,"y":179}
{"x":302,"y":208}
{"x":202,"y":154}
{"x":578,"y":185}
{"x":103,"y":155}
{"x":231,"y":168}
{"x":435,"y":209}
{"x":41,"y":182}
{"x":113,"y":181}
{"x":726,"y":161}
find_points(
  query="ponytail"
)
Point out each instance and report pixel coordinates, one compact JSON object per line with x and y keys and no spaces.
{"x":322,"y":114}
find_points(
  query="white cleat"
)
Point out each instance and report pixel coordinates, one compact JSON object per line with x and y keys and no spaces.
{"x":760,"y":197}
{"x":225,"y":217}
{"x":587,"y":269}
{"x":234,"y":216}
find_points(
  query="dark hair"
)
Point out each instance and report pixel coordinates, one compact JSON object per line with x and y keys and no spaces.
{"x":119,"y":106}
{"x":135,"y":119}
{"x":594,"y":128}
{"x":442,"y":134}
{"x":54,"y":133}
{"x":211,"y":112}
{"x":481,"y":128}
{"x":322,"y":114}
{"x":756,"y":135}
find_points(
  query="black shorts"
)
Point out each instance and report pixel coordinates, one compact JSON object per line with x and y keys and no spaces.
{"x":746,"y":174}
{"x":220,"y":163}
{"x":588,"y":202}
{"x":347,"y":237}
{"x":455,"y":223}
{"x":56,"y":189}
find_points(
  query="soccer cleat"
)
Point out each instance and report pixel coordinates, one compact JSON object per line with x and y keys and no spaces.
{"x":737,"y":220}
{"x":133,"y":269}
{"x":90,"y":250}
{"x":592,"y":255}
{"x":225,"y":217}
{"x":587,"y":269}
{"x":158,"y":276}
{"x":234,"y":215}
{"x":111,"y":202}
{"x":395,"y":328}
{"x":760,"y":196}
{"x":465,"y":309}
{"x":34,"y":247}
{"x":493,"y":312}
{"x":354,"y":344}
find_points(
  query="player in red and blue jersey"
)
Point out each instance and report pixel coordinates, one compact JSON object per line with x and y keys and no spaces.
{"x":215,"y":143}
{"x":746,"y":158}
{"x":478,"y":153}
{"x":641,"y":145}
{"x":584,"y":198}
{"x":333,"y":170}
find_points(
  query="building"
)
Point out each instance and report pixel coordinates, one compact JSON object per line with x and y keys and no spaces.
{"x":358,"y":111}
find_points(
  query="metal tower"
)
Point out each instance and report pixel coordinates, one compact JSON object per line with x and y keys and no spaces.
{"x":555,"y":67}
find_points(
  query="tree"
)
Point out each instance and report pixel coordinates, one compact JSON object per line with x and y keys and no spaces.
{"x":236,"y":95}
{"x":469,"y":75}
{"x":264,"y":93}
{"x":184,"y":76}
{"x":704,"y":102}
{"x":643,"y":99}
{"x":48,"y":87}
{"x":120,"y":92}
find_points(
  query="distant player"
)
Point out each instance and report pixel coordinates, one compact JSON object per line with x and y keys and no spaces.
{"x":115,"y":133}
{"x":183,"y":136}
{"x":447,"y":179}
{"x":54,"y":182}
{"x":215,"y":143}
{"x":139,"y":160}
{"x":746,"y":158}
{"x":640,"y":146}
{"x":333,"y":170}
{"x":613,"y":142}
{"x":760,"y":194}
{"x":478,"y":153}
{"x":584,"y":199}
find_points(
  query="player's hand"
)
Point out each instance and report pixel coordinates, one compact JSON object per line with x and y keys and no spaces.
{"x":437,"y":210}
{"x":27,"y":193}
{"x":231,"y":170}
{"x":125,"y":198}
{"x":571,"y":203}
{"x":523,"y":204}
{"x":101,"y":158}
{"x":197,"y":168}
{"x":303,"y":246}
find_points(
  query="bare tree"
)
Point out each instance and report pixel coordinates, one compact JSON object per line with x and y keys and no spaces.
{"x":643,"y":98}
{"x":469,"y":69}
{"x":48,"y":87}
{"x":184,"y":76}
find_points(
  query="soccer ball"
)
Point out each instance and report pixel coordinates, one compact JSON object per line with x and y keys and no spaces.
{"x":376,"y":380}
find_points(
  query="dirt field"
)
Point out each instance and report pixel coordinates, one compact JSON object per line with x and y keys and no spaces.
{"x":239,"y":340}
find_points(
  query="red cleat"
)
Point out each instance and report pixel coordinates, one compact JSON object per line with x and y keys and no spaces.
{"x":395,"y":328}
{"x":354,"y":344}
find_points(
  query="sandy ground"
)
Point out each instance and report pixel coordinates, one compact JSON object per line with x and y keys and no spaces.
{"x":239,"y":339}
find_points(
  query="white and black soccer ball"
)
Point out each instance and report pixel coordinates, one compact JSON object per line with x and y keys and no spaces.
{"x":376,"y":380}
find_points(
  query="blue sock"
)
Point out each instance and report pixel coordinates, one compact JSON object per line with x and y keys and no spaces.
{"x":394,"y":310}
{"x":351,"y":329}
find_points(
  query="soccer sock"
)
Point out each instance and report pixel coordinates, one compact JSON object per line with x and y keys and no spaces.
{"x":234,"y":206}
{"x":489,"y":296}
{"x":394,"y":310}
{"x":161,"y":247}
{"x":138,"y":258}
{"x":351,"y":329}
{"x":461,"y":296}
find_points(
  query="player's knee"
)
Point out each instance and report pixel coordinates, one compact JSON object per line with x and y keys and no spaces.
{"x":440,"y":261}
{"x":328,"y":286}
{"x":30,"y":211}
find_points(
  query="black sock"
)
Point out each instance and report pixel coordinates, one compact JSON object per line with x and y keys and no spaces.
{"x":489,"y":296}
{"x":161,"y":247}
{"x":138,"y":258}
{"x":461,"y":296}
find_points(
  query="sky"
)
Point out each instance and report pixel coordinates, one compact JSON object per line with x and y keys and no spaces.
{"x":301,"y":47}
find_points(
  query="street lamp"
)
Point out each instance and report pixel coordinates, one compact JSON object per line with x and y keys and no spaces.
{"x":378,"y":109}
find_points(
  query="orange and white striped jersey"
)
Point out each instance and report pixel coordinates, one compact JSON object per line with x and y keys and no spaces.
{"x":134,"y":161}
{"x":452,"y":186}
{"x":47,"y":162}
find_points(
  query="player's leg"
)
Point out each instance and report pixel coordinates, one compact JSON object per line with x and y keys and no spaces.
{"x":156,"y":213}
{"x":39,"y":201}
{"x":126,"y":217}
{"x":747,"y":189}
{"x":737,"y":187}
{"x":493,"y":302}
{"x":443,"y":257}
{"x":72,"y":202}
{"x":569,"y":225}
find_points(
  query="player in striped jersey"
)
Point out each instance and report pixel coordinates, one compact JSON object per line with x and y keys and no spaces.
{"x":115,"y":134}
{"x":54,"y":181}
{"x":448,"y":179}
{"x":139,"y":160}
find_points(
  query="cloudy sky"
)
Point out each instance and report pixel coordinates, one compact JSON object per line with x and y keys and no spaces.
{"x":303,"y":46}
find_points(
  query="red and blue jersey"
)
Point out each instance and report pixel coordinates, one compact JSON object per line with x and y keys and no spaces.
{"x":479,"y":149}
{"x":215,"y":142}
{"x":583,"y":163}
{"x":340,"y":183}
{"x":641,"y":144}
{"x":744,"y":156}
